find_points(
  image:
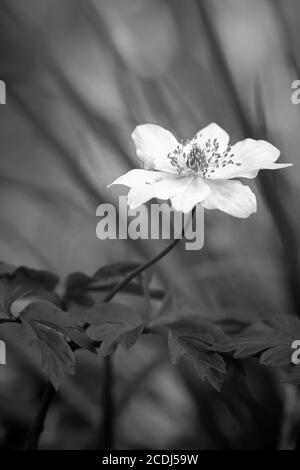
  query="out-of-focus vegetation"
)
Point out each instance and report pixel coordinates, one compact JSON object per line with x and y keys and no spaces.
{"x":80,"y":75}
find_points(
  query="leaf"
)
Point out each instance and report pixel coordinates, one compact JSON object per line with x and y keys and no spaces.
{"x":198,"y":340}
{"x":202,"y":330}
{"x":80,"y":338}
{"x":113,"y":273}
{"x":49,"y":315}
{"x":35,"y":277}
{"x":105,"y":277}
{"x":75,"y":286}
{"x":7,"y":269}
{"x":44,"y":278}
{"x":113,"y":324}
{"x":10,"y":291}
{"x":271,"y":338}
{"x":17,"y":282}
{"x":249,"y":343}
{"x":287,"y":324}
{"x":77,"y":279}
{"x":57,"y":357}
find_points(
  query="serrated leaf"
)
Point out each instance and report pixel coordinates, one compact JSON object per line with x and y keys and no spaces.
{"x":49,"y":315}
{"x":209,"y":334}
{"x":113,"y":324}
{"x":198,"y":340}
{"x":276,"y":356}
{"x":249,"y":343}
{"x":272,"y":339}
{"x":57,"y":356}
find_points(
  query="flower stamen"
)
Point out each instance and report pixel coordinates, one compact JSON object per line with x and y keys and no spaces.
{"x":204,"y":160}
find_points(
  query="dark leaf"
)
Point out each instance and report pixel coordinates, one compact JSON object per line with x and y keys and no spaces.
{"x":57,"y":357}
{"x":272,"y":339}
{"x":46,"y":279}
{"x":35,"y":278}
{"x":17,"y":282}
{"x":113,"y":324}
{"x":80,"y":338}
{"x":75,"y":286}
{"x":7,"y":269}
{"x":198,"y":341}
{"x":77,"y":280}
{"x":114,"y":272}
{"x":49,"y":315}
{"x":10,"y":291}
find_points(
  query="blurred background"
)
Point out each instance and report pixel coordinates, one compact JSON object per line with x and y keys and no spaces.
{"x":80,"y":75}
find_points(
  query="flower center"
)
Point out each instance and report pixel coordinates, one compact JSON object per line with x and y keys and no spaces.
{"x":196,"y":160}
{"x":201,"y":160}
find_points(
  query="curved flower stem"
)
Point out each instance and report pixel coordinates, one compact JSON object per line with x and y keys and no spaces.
{"x":140,"y":269}
{"x":107,"y":425}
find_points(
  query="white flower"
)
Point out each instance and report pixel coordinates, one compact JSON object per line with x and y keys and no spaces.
{"x":198,"y":171}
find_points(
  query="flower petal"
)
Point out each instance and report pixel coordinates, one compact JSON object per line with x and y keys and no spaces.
{"x":153,"y":144}
{"x":211,"y":132}
{"x":196,"y":191}
{"x":164,"y":189}
{"x":247,"y":158}
{"x":139,"y":177}
{"x":231,"y":197}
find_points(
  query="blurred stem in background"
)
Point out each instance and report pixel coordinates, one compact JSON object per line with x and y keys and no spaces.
{"x":38,"y":425}
{"x":268,"y":188}
{"x":278,"y":9}
{"x":281,"y":219}
{"x":107,"y":428}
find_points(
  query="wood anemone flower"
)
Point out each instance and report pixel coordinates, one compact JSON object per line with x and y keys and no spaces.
{"x":200,"y":171}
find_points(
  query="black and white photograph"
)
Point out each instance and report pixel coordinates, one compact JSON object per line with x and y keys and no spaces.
{"x":149,"y":229}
